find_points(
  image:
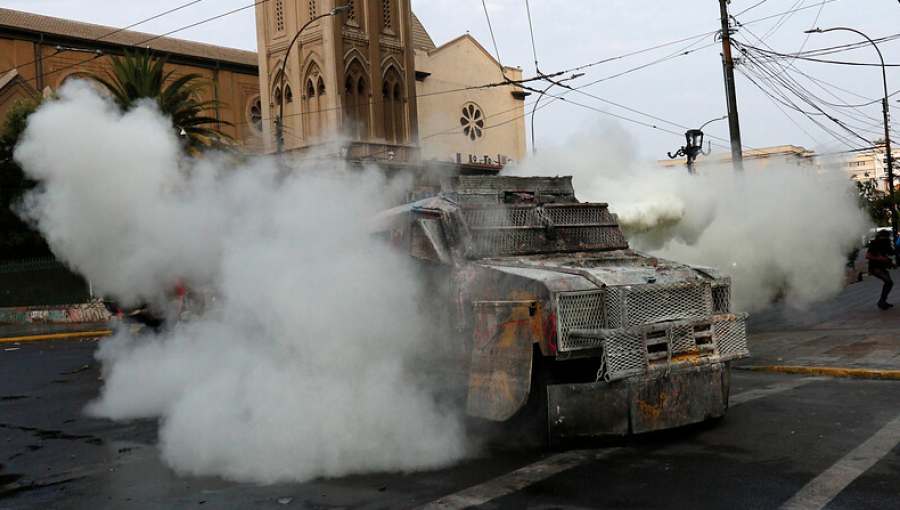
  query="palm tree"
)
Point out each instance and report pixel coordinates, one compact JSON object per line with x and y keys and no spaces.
{"x":142,"y":75}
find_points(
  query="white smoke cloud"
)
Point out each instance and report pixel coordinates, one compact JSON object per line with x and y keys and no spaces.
{"x":304,"y":371}
{"x":778,"y":232}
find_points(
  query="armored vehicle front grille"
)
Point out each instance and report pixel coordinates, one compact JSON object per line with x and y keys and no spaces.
{"x":731,"y":338}
{"x":636,"y":351}
{"x":579,"y":215}
{"x":482,"y":217}
{"x":578,"y":310}
{"x":474,"y":189}
{"x":526,"y":229}
{"x":641,"y":328}
{"x":629,"y":306}
{"x":646,"y":304}
{"x":721,"y":295}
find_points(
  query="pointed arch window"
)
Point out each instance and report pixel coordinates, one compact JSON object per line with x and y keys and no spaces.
{"x":315,"y":105}
{"x":394,"y":108}
{"x":256,"y":115}
{"x":356,"y":103}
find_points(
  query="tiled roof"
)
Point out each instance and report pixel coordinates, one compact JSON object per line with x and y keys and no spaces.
{"x":109,"y":35}
{"x":421,"y":39}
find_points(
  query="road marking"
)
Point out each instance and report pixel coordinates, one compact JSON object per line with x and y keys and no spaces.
{"x":750,"y":395}
{"x":516,"y":480}
{"x":825,"y":487}
{"x":533,"y":473}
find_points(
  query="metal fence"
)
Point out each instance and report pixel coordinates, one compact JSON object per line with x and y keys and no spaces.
{"x":40,"y":282}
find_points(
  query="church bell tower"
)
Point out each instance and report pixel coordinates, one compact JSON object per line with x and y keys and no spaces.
{"x":341,"y":72}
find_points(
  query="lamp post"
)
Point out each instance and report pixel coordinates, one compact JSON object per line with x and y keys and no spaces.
{"x":693,"y":146}
{"x":279,"y":121}
{"x":534,"y":109}
{"x":889,"y":157}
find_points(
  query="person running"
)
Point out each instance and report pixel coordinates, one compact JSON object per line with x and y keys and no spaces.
{"x":879,"y":255}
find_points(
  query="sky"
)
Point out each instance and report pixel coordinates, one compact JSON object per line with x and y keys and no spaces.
{"x":653,"y":94}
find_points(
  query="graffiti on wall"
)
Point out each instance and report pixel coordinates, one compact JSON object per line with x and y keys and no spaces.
{"x":95,"y":311}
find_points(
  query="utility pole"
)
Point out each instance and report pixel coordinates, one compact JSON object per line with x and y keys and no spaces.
{"x":734,"y":126}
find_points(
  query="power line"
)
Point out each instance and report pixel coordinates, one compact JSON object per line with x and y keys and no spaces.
{"x":754,"y":6}
{"x":531,"y":30}
{"x":766,"y":18}
{"x":145,"y":41}
{"x":783,"y":19}
{"x":494,"y":39}
{"x":784,"y":100}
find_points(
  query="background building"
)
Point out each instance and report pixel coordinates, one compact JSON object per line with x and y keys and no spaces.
{"x":781,"y":156}
{"x":871,"y":165}
{"x":39,"y":53}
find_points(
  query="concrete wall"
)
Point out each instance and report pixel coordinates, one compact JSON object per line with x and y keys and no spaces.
{"x":454,"y":66}
{"x":69,"y":314}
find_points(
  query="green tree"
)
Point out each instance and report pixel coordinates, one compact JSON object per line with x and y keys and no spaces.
{"x":876,"y":203}
{"x":14,"y":125}
{"x":142,"y":75}
{"x":19,"y":239}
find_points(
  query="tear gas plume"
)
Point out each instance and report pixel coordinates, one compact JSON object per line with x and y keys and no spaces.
{"x":303,"y":372}
{"x":779,"y":232}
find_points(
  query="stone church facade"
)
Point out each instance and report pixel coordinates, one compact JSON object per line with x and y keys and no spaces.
{"x":347,"y":77}
{"x":371,"y":80}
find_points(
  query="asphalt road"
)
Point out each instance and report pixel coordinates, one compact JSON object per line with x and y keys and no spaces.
{"x":788,"y":441}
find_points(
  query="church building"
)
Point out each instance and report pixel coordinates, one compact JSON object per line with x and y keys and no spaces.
{"x":364,"y":77}
{"x":356,"y":79}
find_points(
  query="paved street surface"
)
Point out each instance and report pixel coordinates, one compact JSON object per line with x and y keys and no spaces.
{"x":788,"y":442}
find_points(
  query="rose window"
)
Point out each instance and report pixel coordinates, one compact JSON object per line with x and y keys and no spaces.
{"x":472,"y":121}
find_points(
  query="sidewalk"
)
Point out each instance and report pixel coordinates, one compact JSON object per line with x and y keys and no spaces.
{"x":847,"y":331}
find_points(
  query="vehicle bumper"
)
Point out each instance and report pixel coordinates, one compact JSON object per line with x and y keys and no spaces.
{"x":640,"y":404}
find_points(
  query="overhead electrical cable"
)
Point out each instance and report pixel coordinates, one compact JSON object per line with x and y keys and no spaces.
{"x":783,"y":19}
{"x":754,"y":6}
{"x":766,"y":18}
{"x":780,"y":96}
{"x":533,"y":45}
{"x":493,"y":38}
{"x":791,"y":82}
{"x":138,"y":44}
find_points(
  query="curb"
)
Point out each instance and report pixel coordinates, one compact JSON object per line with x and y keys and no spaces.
{"x":79,"y":334}
{"x":855,"y":373}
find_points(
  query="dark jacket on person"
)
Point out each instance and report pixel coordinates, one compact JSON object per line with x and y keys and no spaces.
{"x":880,"y":247}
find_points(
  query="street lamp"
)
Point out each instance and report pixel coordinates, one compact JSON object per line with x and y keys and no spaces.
{"x":534,"y":109}
{"x":887,"y":134}
{"x":279,"y":121}
{"x":693,"y":145}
